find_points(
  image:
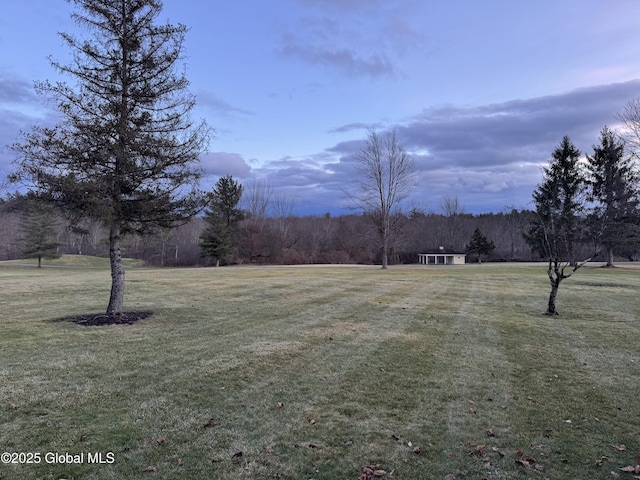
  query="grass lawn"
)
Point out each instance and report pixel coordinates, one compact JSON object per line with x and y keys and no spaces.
{"x":319,"y":372}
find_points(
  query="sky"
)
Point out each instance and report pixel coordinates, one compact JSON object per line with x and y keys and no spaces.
{"x":479,"y":93}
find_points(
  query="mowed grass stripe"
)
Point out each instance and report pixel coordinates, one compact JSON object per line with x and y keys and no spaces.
{"x":471,"y":391}
{"x":432,"y":356}
{"x":356,"y":423}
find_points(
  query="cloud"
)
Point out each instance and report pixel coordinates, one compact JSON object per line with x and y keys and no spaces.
{"x":342,"y":4}
{"x":490,"y":156}
{"x":518,"y":131}
{"x":16,"y":91}
{"x":356,"y":37}
{"x":20,"y":108}
{"x":224,"y":163}
{"x":219,"y":106}
{"x":355,"y":126}
{"x":345,"y":59}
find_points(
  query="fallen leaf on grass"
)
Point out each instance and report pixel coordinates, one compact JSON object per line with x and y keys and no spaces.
{"x":312,"y":422}
{"x":499,"y":452}
{"x":372,"y":472}
{"x":280,"y":405}
{"x":417,"y":450}
{"x":449,"y":476}
{"x":161,"y":441}
{"x":631,"y":469}
{"x":615,"y":474}
{"x":180,"y":462}
{"x":620,"y":448}
{"x":528,"y":461}
{"x":475,"y":449}
{"x":490,"y":432}
{"x":236,"y":457}
{"x":13,"y":406}
{"x":150,"y":469}
{"x":209,"y":423}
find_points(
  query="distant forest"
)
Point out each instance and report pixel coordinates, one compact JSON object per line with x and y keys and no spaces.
{"x":264,"y":238}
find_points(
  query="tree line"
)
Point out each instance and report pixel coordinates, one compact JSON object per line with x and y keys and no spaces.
{"x":271,"y":239}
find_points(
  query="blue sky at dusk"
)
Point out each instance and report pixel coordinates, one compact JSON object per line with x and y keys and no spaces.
{"x":479,"y":92}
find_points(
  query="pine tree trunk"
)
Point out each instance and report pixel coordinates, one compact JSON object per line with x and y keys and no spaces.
{"x":39,"y":261}
{"x":116,"y":300}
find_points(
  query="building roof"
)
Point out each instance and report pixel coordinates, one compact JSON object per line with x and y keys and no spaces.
{"x":442,"y":251}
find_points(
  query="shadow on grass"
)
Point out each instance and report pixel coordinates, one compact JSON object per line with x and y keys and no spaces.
{"x":100,"y":319}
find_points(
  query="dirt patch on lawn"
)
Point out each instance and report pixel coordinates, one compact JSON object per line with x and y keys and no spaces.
{"x":99,"y":319}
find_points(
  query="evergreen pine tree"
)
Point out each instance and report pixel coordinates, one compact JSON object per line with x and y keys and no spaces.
{"x":222,"y":218}
{"x":614,"y":187}
{"x":480,"y":245}
{"x":39,"y":231}
{"x":557,"y":227}
{"x":126,"y":152}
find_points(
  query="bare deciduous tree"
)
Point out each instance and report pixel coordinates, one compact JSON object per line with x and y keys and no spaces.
{"x":630,"y":119}
{"x":453,"y":211}
{"x":386,"y":176}
{"x":256,"y":198}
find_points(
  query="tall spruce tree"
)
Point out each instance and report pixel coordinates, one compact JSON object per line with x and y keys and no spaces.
{"x":126,"y":152}
{"x":222,"y":218}
{"x":557,"y":228}
{"x":613,"y":186}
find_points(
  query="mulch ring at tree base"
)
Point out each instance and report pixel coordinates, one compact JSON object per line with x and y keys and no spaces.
{"x":99,"y":319}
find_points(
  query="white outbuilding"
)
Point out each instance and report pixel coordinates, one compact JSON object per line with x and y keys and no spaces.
{"x":442,"y":258}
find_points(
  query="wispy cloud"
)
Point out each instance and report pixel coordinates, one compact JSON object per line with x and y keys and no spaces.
{"x":349,"y":127}
{"x":345,"y":59}
{"x":219,"y":107}
{"x":356,"y":37}
{"x":342,"y":4}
